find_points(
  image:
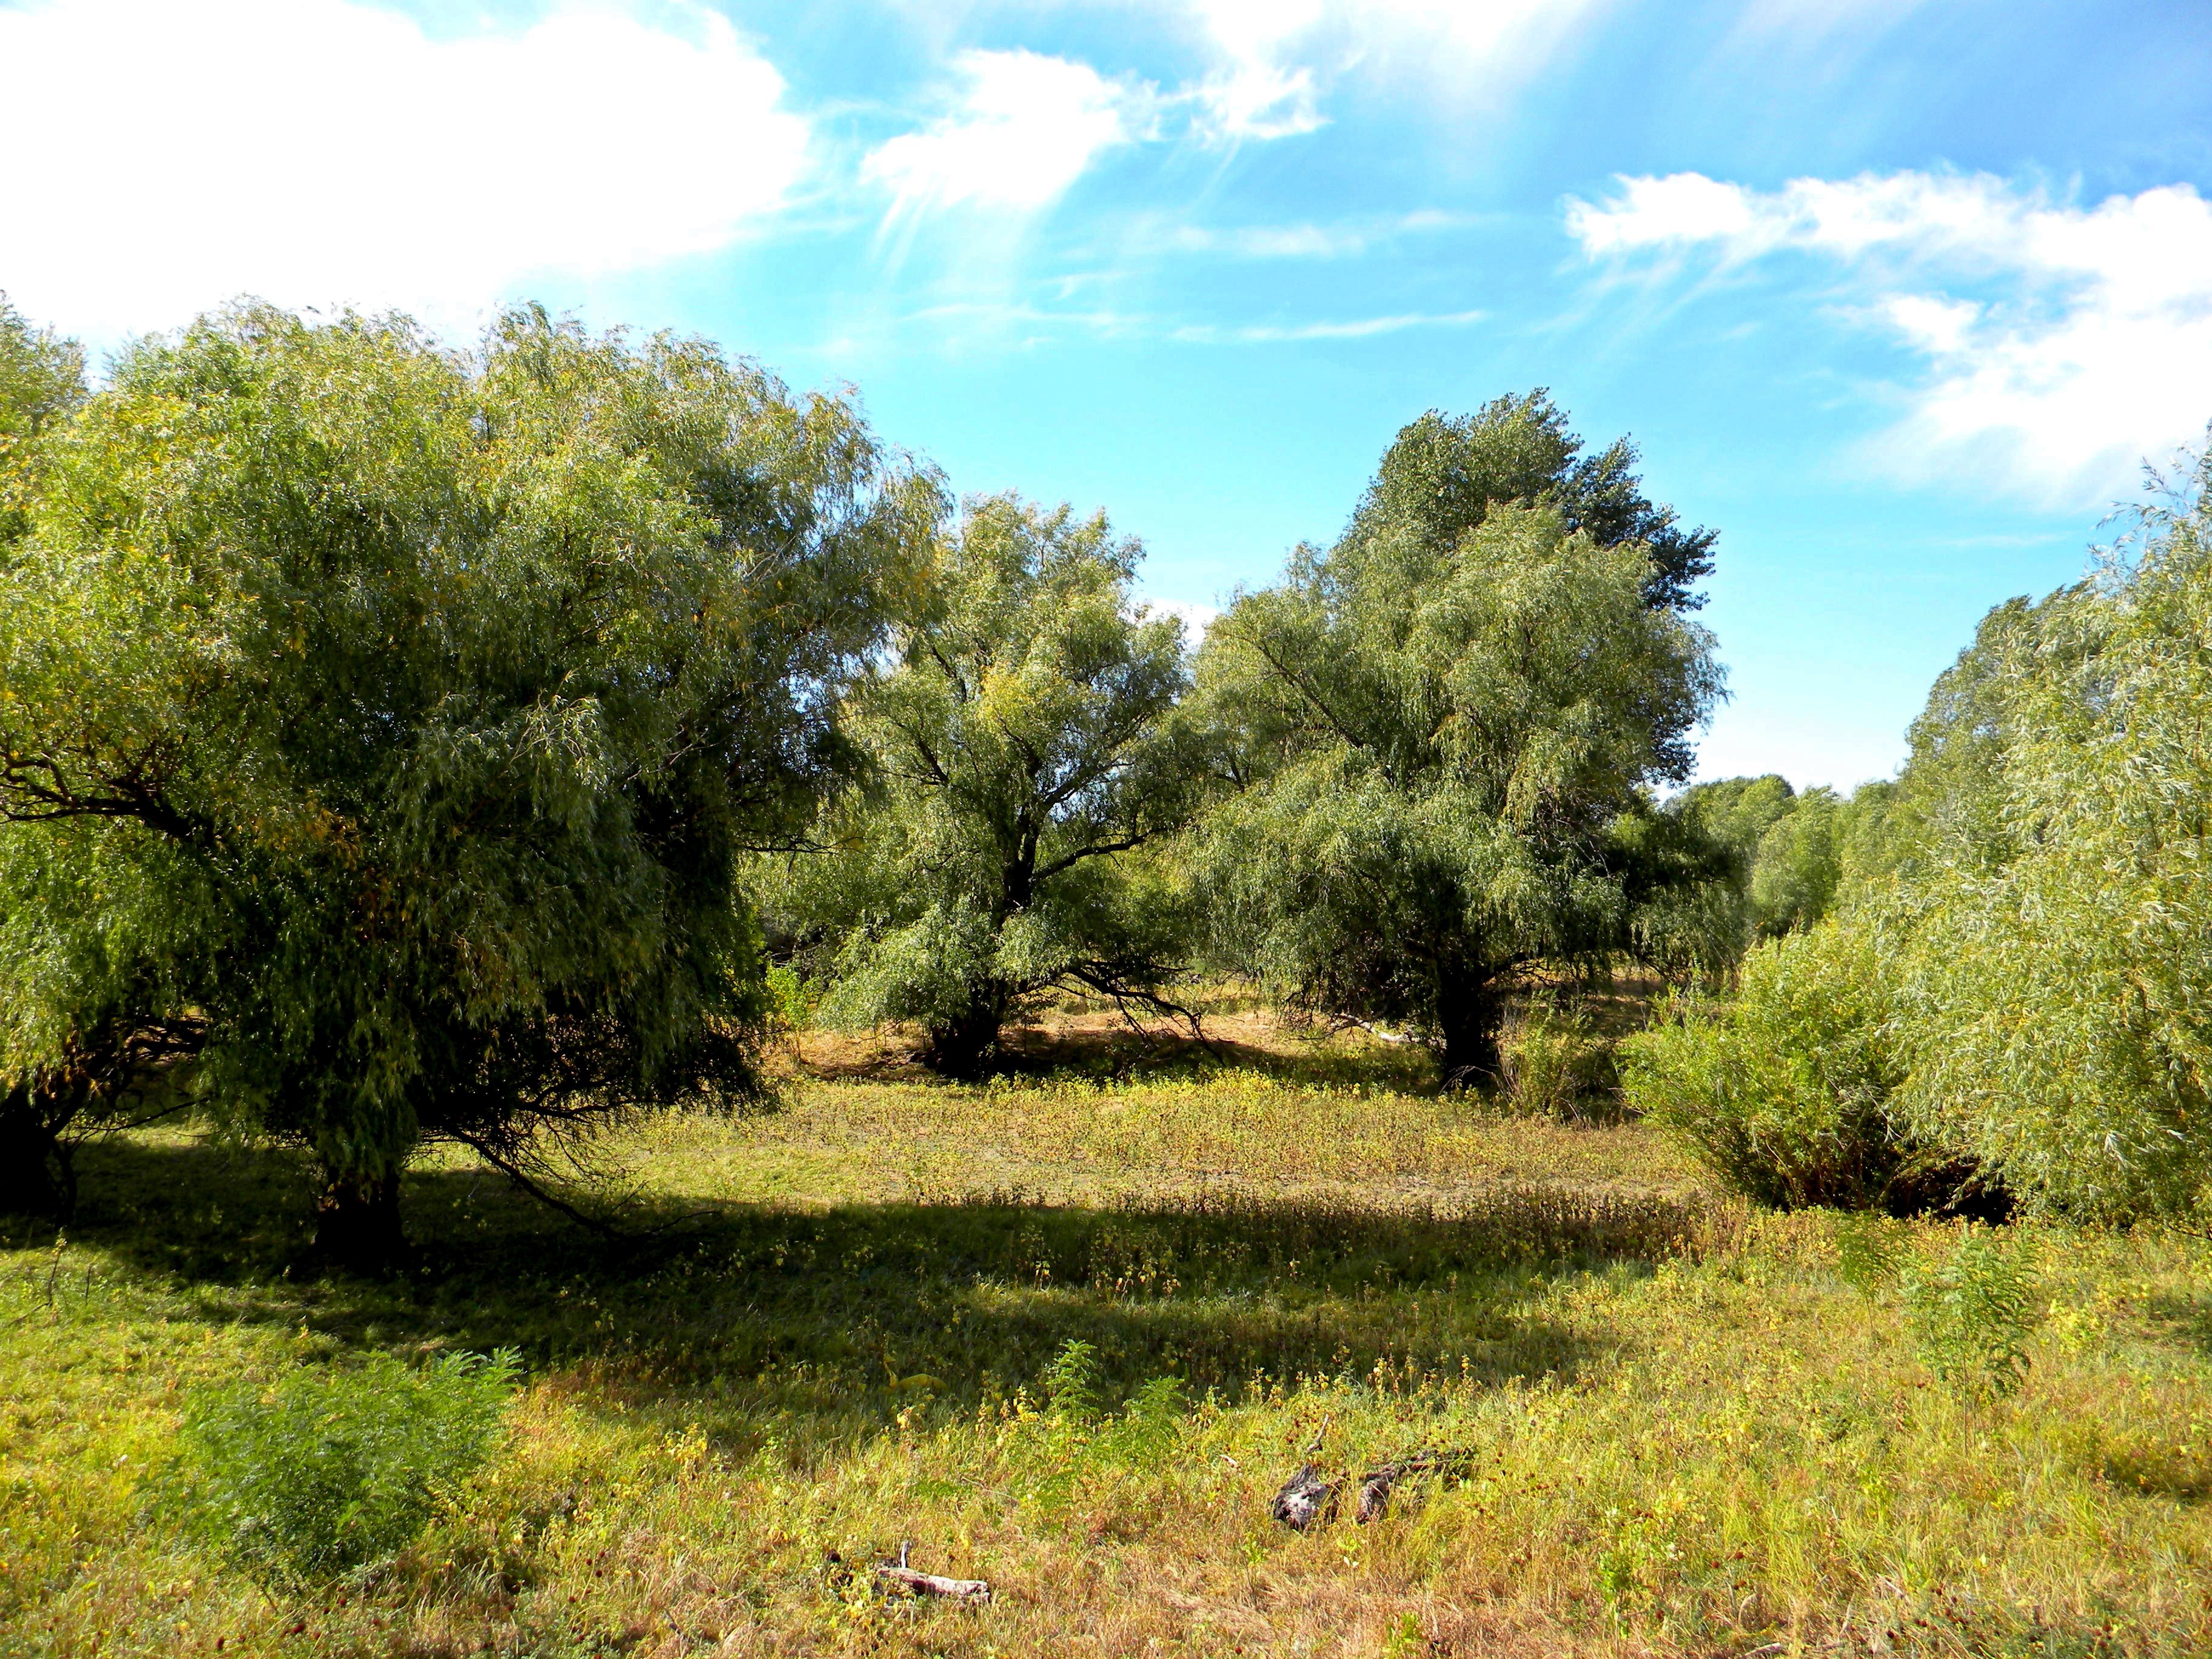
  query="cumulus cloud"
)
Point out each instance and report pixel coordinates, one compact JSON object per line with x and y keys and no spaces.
{"x":1027,"y":126}
{"x":2062,"y":343}
{"x":171,"y":153}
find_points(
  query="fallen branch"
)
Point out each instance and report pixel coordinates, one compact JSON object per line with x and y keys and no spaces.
{"x":1310,"y":1498}
{"x":974,"y":1591}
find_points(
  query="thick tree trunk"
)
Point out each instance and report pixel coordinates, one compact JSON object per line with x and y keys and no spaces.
{"x":357,"y":1222}
{"x":1469,"y":1011}
{"x":963,"y":1047}
{"x":37,"y":1176}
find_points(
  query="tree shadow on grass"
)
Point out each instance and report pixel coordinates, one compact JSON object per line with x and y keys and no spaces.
{"x":1106,"y":1047}
{"x":729,"y":1314}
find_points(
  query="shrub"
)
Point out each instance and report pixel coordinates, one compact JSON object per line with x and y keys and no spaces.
{"x":1555,"y":1064}
{"x":1784,"y":1091}
{"x":333,"y":1470}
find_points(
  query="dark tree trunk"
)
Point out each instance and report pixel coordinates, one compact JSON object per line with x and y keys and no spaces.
{"x":1469,"y":1011}
{"x":37,"y":1175}
{"x":964,"y":1048}
{"x":357,"y":1222}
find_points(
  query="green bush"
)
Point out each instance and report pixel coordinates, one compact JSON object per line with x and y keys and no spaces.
{"x":1556,"y":1065}
{"x":1783,"y":1092}
{"x":331,"y":1470}
{"x":1972,"y":1310}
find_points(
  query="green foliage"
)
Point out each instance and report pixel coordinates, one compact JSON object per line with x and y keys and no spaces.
{"x":1443,"y":474}
{"x":1756,"y":859}
{"x":1785,"y":1090}
{"x":1869,"y":1252}
{"x":403,"y":716}
{"x":1434,"y":724}
{"x":1972,"y":1309}
{"x":331,"y":1470}
{"x":41,"y":381}
{"x":1070,"y":1382}
{"x":2043,"y":875}
{"x":1026,"y":747}
{"x":1797,"y":864}
{"x":1556,"y":1064}
{"x":791,"y":998}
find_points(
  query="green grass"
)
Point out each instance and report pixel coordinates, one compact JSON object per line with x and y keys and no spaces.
{"x":832,"y":1328}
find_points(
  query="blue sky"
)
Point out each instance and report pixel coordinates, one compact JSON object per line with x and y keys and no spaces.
{"x":1897,"y":295}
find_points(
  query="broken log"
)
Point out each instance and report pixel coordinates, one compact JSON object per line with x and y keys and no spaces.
{"x":974,"y":1591}
{"x":1375,"y":1489}
{"x":1305,"y":1500}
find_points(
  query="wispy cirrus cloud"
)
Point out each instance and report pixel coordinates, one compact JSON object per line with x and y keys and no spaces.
{"x":1362,"y":328}
{"x":2061,"y":342}
{"x":1302,"y":241}
{"x":315,"y":151}
{"x":1278,"y":53}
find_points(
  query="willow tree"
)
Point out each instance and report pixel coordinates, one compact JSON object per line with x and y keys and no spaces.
{"x":1027,"y":747}
{"x":445,"y":695}
{"x":77,"y":1043}
{"x":1440,"y":721}
{"x":2053,"y":887}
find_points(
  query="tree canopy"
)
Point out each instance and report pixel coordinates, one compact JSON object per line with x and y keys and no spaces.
{"x":2025,"y":915}
{"x":1026,"y":743}
{"x":1436,"y":724}
{"x":403,"y":716}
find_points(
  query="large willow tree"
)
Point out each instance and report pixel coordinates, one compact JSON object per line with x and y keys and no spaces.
{"x":397,"y":721}
{"x":1438,"y":722}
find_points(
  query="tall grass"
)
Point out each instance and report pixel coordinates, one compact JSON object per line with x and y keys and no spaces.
{"x":1683,"y":1429}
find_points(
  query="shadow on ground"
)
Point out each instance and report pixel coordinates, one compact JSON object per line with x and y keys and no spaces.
{"x":723,"y":1313}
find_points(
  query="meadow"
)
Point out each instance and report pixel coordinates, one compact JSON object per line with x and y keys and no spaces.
{"x":1070,"y":1330}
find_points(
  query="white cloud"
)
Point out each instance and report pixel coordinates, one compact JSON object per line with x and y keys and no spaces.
{"x":1026,"y":129}
{"x":2063,"y":344}
{"x":1304,"y":241}
{"x":1196,"y":618}
{"x":1359,"y":329}
{"x":168,"y":155}
{"x":1269,"y":86}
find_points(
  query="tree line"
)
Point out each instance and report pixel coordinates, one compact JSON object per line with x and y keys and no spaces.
{"x":408,"y":745}
{"x":2007,"y":998}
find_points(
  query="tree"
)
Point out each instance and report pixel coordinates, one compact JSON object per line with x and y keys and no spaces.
{"x":2024,"y":914}
{"x":1439,"y":721}
{"x":1026,"y":747}
{"x":1443,"y":474}
{"x":2052,"y":886}
{"x":444,"y":696}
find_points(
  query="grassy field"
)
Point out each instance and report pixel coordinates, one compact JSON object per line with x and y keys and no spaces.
{"x":829,"y":1329}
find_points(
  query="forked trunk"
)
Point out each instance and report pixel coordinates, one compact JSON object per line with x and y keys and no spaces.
{"x":1469,"y":1011}
{"x":357,"y":1222}
{"x":964,"y":1046}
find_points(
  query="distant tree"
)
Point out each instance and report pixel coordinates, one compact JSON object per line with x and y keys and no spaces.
{"x":1798,"y":863}
{"x":1438,"y":724}
{"x":414,"y":712}
{"x":41,"y":381}
{"x":1027,"y":747}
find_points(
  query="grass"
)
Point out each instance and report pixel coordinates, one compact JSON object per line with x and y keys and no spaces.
{"x":849,"y":1324}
